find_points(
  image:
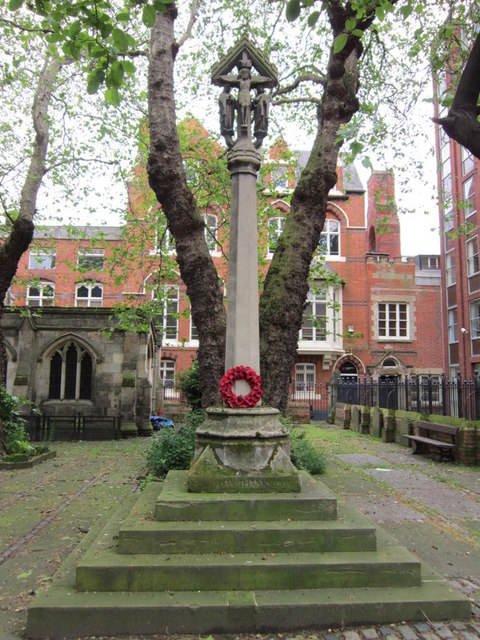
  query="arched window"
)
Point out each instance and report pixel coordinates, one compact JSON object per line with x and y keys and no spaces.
{"x":89,"y":294}
{"x":389,"y":362}
{"x":41,"y":294}
{"x":70,"y":373}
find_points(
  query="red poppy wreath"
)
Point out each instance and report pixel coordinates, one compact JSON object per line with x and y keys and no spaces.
{"x":241,"y":373}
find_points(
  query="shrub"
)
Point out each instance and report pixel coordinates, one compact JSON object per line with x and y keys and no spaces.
{"x":171,"y":449}
{"x":189,"y":383}
{"x":15,"y":438}
{"x":304,"y":455}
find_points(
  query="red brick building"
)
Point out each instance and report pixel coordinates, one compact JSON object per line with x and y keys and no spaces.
{"x":459,"y":189}
{"x":370,"y":311}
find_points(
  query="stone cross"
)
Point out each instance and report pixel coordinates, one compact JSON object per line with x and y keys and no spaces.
{"x":253,"y":73}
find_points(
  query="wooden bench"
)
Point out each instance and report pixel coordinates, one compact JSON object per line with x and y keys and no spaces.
{"x":425,"y":438}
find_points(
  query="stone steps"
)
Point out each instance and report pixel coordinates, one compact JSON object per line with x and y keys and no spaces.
{"x":394,"y":566}
{"x":61,"y":612}
{"x":203,"y":574}
{"x":314,"y":502}
{"x":150,"y":536}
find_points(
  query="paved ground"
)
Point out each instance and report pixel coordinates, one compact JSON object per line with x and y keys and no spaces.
{"x":431,"y":508}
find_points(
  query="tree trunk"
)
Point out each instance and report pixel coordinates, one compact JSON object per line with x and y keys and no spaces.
{"x":461,"y":123}
{"x":167,"y":178}
{"x":286,"y":284}
{"x":21,"y":234}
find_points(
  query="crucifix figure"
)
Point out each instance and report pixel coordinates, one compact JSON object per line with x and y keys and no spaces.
{"x":243,"y":106}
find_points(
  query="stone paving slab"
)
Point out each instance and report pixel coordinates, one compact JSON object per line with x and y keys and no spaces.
{"x":420,"y":487}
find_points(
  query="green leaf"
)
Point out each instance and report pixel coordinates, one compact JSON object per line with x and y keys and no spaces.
{"x":13,"y":5}
{"x":112,"y":96}
{"x":292,"y":10}
{"x":117,"y":73}
{"x":92,"y":85}
{"x":367,"y":163}
{"x":380,"y":11}
{"x":356,"y":148}
{"x":340,"y":42}
{"x":128,"y":66}
{"x":149,"y":15}
{"x":313,"y":18}
{"x":120,"y":40}
{"x":123,"y":16}
{"x":161,"y":5}
{"x":406,"y":11}
{"x":350,"y":24}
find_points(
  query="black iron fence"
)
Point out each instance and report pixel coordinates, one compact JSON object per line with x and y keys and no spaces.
{"x":46,"y":428}
{"x":317,"y":396}
{"x":427,"y":394}
{"x":171,"y":393}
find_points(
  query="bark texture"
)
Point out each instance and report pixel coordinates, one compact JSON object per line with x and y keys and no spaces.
{"x":167,"y":178}
{"x":21,"y":231}
{"x":286,"y":287}
{"x":461,"y":123}
{"x":286,"y":284}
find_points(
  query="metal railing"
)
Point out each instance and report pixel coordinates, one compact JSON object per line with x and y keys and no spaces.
{"x":436,"y":395}
{"x":67,"y":428}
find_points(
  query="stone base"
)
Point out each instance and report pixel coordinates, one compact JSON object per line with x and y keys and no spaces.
{"x":242,"y":451}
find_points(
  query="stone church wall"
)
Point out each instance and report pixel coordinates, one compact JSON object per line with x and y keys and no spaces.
{"x":123,"y":367}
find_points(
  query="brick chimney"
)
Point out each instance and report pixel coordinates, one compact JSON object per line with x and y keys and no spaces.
{"x":383,"y":225}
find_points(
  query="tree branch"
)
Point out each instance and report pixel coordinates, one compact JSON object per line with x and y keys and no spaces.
{"x":191,"y":22}
{"x":461,"y":122}
{"x":306,"y":77}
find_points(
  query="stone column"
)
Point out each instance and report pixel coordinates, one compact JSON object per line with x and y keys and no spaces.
{"x":242,"y":345}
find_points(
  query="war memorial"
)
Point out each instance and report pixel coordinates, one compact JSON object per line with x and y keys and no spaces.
{"x":243,"y":541}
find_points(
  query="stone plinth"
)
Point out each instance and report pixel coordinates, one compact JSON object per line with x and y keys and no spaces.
{"x":242,"y":451}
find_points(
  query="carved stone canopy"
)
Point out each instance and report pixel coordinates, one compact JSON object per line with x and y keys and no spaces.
{"x":244,"y":52}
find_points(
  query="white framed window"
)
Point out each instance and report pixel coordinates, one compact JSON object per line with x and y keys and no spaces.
{"x":71,"y":372}
{"x":90,"y":258}
{"x":472,"y":256}
{"x":170,"y":314}
{"x":275,"y":230}
{"x":467,"y":161}
{"x":210,"y":221}
{"x":315,"y":319}
{"x":475,"y":319}
{"x":42,"y":258}
{"x":329,"y":244}
{"x":393,"y":320}
{"x":452,"y":326}
{"x":193,"y":331}
{"x":164,"y":241}
{"x":450,"y":270}
{"x":469,"y":197}
{"x":167,"y":373}
{"x":448,"y":215}
{"x":279,"y":179}
{"x":320,"y":317}
{"x":305,"y":376}
{"x":89,"y":294}
{"x":41,"y":294}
